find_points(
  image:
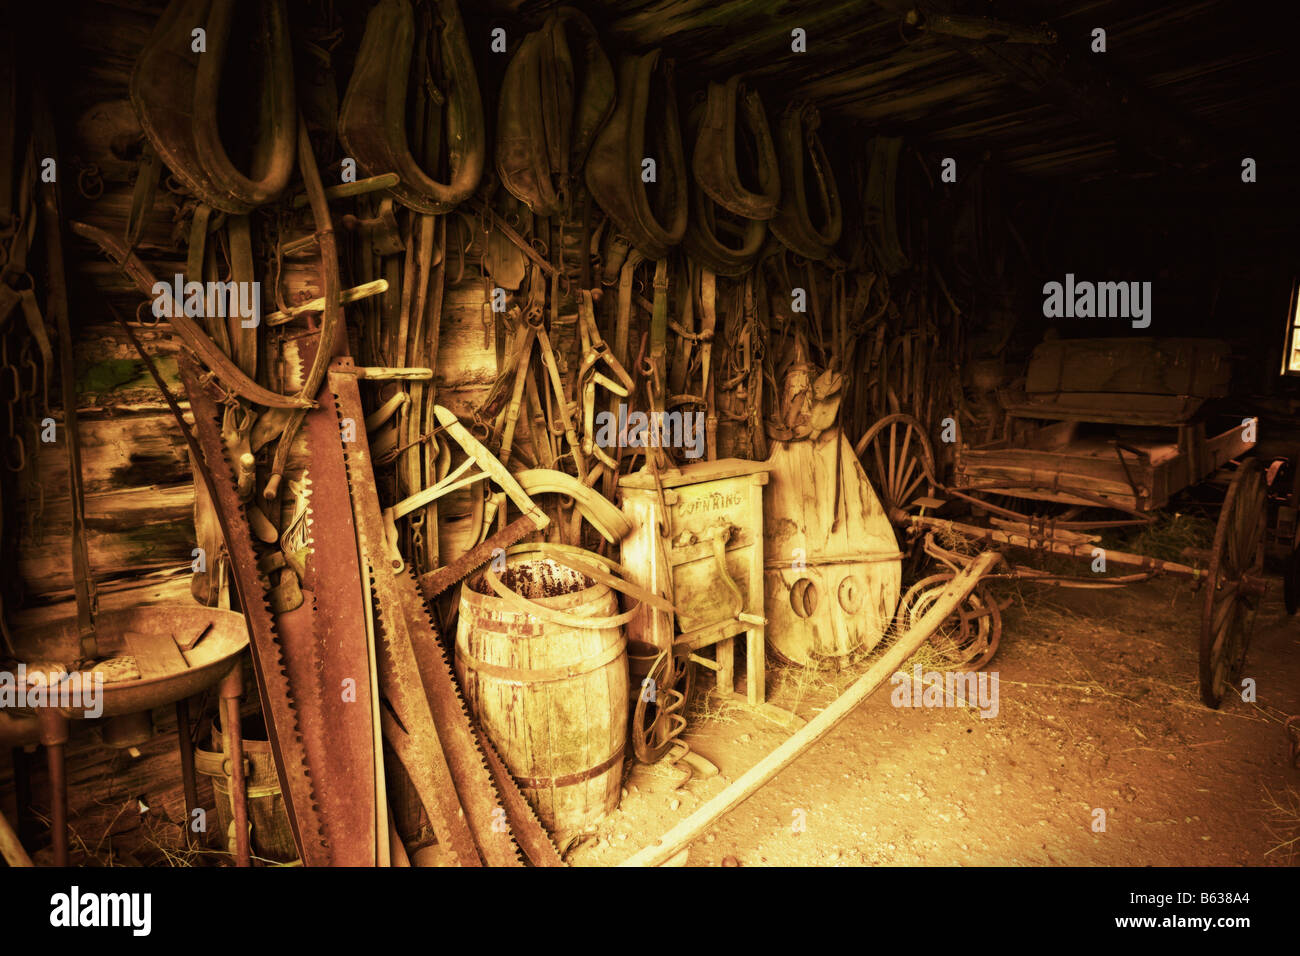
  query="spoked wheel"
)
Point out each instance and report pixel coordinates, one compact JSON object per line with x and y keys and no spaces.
{"x":1234,"y":584}
{"x":968,"y":639}
{"x":897,"y":457}
{"x":658,"y":717}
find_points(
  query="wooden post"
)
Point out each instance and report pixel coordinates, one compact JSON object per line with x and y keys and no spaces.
{"x":11,"y":851}
{"x":680,"y":836}
{"x":188,"y":780}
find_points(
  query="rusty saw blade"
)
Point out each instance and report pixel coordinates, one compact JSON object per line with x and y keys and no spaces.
{"x":529,"y":831}
{"x":432,"y":754}
{"x":283,"y":724}
{"x":435,"y":582}
{"x":326,"y":649}
{"x":473,"y":781}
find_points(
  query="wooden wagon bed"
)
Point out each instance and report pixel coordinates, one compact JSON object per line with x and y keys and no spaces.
{"x":1120,"y":423}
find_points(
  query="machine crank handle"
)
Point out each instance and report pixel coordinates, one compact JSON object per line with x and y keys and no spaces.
{"x":720,"y":534}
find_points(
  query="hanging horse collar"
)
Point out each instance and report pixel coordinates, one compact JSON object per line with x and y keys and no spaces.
{"x":800,"y":145}
{"x":718,"y":186}
{"x":175,"y":91}
{"x":615,"y":168}
{"x":372,"y":121}
{"x":714,"y":161}
{"x":545,"y":127}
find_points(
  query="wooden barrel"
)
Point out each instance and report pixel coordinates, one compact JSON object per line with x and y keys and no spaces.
{"x":551,"y":696}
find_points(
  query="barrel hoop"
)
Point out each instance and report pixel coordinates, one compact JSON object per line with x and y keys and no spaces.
{"x":545,"y":783}
{"x":543,"y":675}
{"x":488,"y":621}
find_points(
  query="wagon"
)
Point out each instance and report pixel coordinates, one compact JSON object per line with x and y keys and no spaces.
{"x":1100,"y":435}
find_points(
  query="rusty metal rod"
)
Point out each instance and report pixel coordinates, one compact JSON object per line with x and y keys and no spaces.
{"x":57,"y":765}
{"x":231,"y":691}
{"x":54,"y":734}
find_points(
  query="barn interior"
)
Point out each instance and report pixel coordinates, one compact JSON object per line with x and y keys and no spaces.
{"x":657,"y":432}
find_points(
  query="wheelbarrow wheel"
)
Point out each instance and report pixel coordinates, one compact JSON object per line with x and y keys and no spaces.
{"x":1233,"y":585}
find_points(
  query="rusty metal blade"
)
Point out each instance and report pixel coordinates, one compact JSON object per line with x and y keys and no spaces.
{"x":408,"y":722}
{"x":435,"y":582}
{"x":278,"y":704}
{"x":529,"y":831}
{"x":404,"y":613}
{"x":473,"y":781}
{"x":327,"y":653}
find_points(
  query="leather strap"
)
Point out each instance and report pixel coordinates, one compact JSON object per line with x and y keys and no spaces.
{"x":146,"y":185}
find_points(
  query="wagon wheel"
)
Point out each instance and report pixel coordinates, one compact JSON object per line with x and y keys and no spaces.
{"x":1233,"y":584}
{"x":969,"y":637}
{"x":896,"y":454}
{"x":661,"y":701}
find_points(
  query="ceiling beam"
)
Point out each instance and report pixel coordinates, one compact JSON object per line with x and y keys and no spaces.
{"x":1114,"y":107}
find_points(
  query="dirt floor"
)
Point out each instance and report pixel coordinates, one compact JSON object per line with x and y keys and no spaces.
{"x":1098,"y":710}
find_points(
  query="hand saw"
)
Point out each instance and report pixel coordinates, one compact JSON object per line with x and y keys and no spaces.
{"x":326,"y":647}
{"x":426,"y":721}
{"x":284,"y":727}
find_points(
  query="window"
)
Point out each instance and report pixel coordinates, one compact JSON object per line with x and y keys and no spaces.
{"x":1291,"y":348}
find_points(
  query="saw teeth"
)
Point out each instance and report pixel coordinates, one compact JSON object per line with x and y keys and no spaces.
{"x":464,"y":709}
{"x":442,"y":828}
{"x":379,"y":615}
{"x":419,"y":608}
{"x":275,"y":669}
